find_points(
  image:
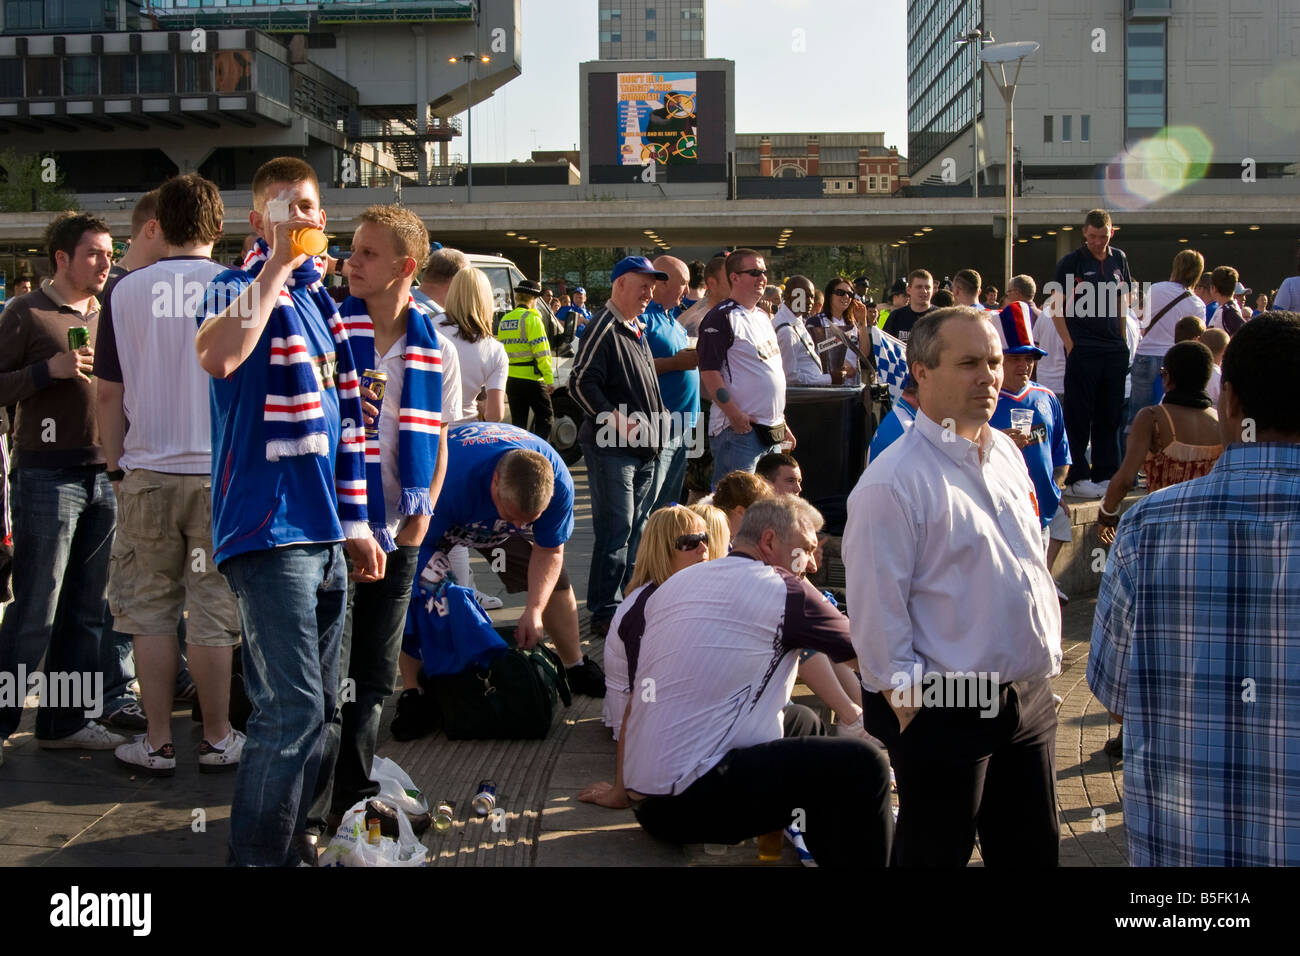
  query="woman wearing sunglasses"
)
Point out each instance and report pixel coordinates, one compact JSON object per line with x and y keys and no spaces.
{"x":837,"y":311}
{"x":674,"y":538}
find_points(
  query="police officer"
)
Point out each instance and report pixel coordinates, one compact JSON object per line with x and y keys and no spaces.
{"x":532,"y":374}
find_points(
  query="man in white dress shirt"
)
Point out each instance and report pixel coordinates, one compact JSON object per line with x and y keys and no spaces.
{"x":955,"y":617}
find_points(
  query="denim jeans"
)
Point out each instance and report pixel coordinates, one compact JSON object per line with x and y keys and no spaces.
{"x":732,"y":452}
{"x":1146,"y":376}
{"x":623,"y":491}
{"x":672,"y":473}
{"x":63,"y":520}
{"x":292,"y":601}
{"x":372,"y":637}
{"x":118,"y":665}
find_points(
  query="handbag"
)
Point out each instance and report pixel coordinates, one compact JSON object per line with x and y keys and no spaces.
{"x":455,"y":632}
{"x":513,"y":698}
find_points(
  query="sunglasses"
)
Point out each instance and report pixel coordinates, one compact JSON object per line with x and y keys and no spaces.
{"x":689,"y":542}
{"x":843,"y":292}
{"x":756,"y":273}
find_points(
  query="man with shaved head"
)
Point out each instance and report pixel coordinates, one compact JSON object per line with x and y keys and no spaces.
{"x":798,"y":352}
{"x":675,"y":364}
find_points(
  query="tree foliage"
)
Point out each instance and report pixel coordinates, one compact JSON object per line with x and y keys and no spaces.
{"x":32,"y":182}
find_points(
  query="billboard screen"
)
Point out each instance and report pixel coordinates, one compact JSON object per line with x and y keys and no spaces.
{"x":657,"y":119}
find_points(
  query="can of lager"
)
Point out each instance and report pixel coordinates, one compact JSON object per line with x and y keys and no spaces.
{"x":78,"y":337}
{"x":485,"y":800}
{"x":377,"y":382}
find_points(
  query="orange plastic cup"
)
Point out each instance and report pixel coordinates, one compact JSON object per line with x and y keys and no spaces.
{"x":307,"y":241}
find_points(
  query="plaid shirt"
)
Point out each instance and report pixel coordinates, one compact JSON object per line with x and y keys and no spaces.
{"x":1196,"y":643}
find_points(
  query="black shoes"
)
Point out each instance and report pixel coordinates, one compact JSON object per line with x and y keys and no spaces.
{"x":586,"y":678}
{"x":417,"y":715}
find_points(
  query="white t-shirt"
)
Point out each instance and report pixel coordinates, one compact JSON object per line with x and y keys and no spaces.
{"x":1159,"y":339}
{"x":716,"y":666}
{"x":617,"y":681}
{"x":1051,"y":367}
{"x":741,"y":344}
{"x":154,"y":312}
{"x":483,"y":364}
{"x":1214,"y":384}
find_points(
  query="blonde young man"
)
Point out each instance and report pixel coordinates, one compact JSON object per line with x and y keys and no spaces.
{"x":288,"y":495}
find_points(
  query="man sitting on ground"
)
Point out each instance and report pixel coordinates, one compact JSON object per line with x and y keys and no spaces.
{"x":704,"y":727}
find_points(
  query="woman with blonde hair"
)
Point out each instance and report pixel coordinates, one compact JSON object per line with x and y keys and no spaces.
{"x":719,"y":530}
{"x":674,"y":538}
{"x":483,"y":364}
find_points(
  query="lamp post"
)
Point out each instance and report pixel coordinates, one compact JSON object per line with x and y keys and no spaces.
{"x":1000,"y":55}
{"x":976,"y":38}
{"x":468,"y":59}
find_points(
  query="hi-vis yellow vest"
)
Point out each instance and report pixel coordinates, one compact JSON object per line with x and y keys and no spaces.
{"x":527,"y":346}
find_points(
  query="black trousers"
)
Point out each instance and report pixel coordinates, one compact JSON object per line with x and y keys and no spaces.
{"x":1094,"y":409}
{"x":959,"y":772}
{"x":838,"y":787}
{"x":524,"y":396}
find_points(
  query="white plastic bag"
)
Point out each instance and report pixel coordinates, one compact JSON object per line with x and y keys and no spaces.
{"x":397,"y":788}
{"x":352,"y":847}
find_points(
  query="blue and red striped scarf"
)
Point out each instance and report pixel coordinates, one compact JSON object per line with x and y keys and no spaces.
{"x":419,"y":418}
{"x":293,"y":418}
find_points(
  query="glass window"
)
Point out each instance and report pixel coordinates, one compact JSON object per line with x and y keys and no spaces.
{"x":157,"y":73}
{"x":650,"y":36}
{"x":43,"y":76}
{"x":1067,"y":128}
{"x":117,"y":75}
{"x":1144,"y":100}
{"x":272,"y":78}
{"x":194,"y":73}
{"x":871,"y":182}
{"x":1085,"y":128}
{"x":11,"y":78}
{"x":650,"y":13}
{"x":616,"y":38}
{"x":80,"y":76}
{"x":24,"y":15}
{"x":1047,"y":128}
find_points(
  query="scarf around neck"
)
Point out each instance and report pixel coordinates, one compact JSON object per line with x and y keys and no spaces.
{"x":292,"y":416}
{"x":419,"y":418}
{"x":1188,"y":398}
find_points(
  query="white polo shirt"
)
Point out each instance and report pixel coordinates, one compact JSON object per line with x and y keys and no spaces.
{"x":716,"y":667}
{"x":943,"y":551}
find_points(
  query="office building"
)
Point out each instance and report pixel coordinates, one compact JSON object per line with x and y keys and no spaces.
{"x":651,"y":29}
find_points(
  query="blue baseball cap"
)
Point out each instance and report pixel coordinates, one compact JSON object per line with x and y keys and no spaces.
{"x":639,"y":265}
{"x":579,"y":291}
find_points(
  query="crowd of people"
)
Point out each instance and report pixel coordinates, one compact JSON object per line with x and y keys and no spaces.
{"x":254,"y":466}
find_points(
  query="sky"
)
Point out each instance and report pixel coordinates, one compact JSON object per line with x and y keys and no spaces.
{"x":849,"y":76}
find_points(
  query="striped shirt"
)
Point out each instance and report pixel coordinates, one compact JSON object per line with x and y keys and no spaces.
{"x":715,"y":666}
{"x":147,"y":344}
{"x":1196,"y":643}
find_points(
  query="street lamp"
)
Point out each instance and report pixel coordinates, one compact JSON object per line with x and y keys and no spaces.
{"x":976,"y":38}
{"x":468,"y":59}
{"x":1000,"y":55}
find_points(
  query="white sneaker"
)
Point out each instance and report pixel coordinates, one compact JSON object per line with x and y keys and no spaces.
{"x":90,"y":737}
{"x":156,"y":763}
{"x":215,"y":759}
{"x":487,"y":601}
{"x":1085,"y":489}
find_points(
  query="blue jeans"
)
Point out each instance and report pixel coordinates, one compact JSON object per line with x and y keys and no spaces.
{"x":623,"y":491}
{"x":1146,"y":381}
{"x":118,"y":665}
{"x":672,"y":474}
{"x":292,"y":601}
{"x":372,"y":637}
{"x":63,"y":521}
{"x":732,"y":452}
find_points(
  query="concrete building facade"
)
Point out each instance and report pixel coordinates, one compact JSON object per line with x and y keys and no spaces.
{"x":651,"y":29}
{"x":1140,"y":95}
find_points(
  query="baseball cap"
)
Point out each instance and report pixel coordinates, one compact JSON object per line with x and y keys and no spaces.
{"x":636,"y":264}
{"x":579,"y":291}
{"x":1015,"y":330}
{"x":898,"y":288}
{"x":1240,"y":290}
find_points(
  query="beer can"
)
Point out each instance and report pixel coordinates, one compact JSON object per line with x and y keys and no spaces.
{"x":78,"y":337}
{"x":443,"y":816}
{"x":377,"y":382}
{"x":485,"y":800}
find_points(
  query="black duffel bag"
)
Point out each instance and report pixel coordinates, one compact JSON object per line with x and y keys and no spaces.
{"x":513,"y":699}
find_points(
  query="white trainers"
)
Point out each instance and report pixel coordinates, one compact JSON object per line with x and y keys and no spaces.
{"x":1085,"y":489}
{"x":487,"y":601}
{"x":156,"y":763}
{"x":90,"y":737}
{"x":215,"y":759}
